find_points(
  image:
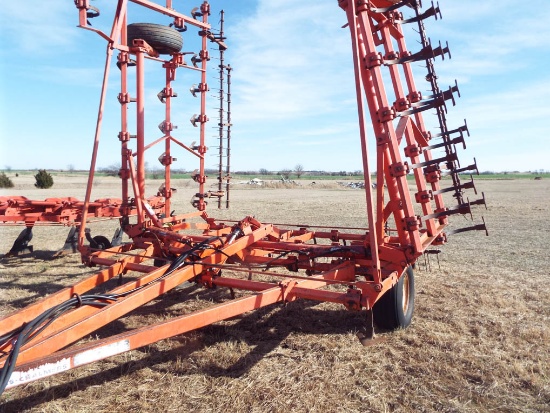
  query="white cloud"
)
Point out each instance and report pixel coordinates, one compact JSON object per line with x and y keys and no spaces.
{"x":289,"y":57}
{"x":38,"y":26}
{"x":489,"y":38}
{"x":522,"y":105}
{"x":293,"y":84}
{"x":70,"y":76}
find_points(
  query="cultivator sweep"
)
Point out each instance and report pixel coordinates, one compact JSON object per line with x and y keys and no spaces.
{"x":364,"y":269}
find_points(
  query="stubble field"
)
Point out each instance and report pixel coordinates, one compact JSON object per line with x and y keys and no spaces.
{"x":479,"y":340}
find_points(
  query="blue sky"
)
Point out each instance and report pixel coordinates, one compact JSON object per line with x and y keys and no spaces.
{"x":293,"y":91}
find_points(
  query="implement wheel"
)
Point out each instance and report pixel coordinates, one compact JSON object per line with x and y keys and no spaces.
{"x":164,"y":39}
{"x":395,"y":308}
{"x":101,"y":243}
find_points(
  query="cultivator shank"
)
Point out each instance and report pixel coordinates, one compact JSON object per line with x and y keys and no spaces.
{"x":259,"y":263}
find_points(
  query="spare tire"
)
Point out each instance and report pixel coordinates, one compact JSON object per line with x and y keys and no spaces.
{"x":164,"y":39}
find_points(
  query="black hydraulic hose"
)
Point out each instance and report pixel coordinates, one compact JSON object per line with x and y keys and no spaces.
{"x":24,"y":334}
{"x":179,"y":262}
{"x":282,"y":254}
{"x":27,"y":332}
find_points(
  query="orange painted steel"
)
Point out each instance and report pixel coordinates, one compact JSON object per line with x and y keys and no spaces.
{"x":65,"y":211}
{"x":267,"y":263}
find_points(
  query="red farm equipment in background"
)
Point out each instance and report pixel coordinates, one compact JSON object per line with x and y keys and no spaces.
{"x":368,"y":270}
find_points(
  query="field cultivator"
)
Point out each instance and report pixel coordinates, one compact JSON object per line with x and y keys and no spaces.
{"x":368,"y":268}
{"x":17,"y":210}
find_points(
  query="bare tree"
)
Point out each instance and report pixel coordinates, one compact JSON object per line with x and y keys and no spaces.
{"x":285,"y":173}
{"x":111,"y":170}
{"x":299,"y":170}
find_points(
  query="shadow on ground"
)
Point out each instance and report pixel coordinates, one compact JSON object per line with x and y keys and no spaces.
{"x":262,"y":330}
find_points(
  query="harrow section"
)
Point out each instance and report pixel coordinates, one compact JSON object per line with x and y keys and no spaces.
{"x":364,"y":269}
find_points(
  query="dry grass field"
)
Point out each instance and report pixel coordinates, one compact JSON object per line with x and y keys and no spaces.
{"x":479,"y":340}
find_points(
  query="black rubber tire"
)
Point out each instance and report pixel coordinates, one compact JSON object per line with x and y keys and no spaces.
{"x":164,"y":39}
{"x":102,"y":242}
{"x":395,"y":308}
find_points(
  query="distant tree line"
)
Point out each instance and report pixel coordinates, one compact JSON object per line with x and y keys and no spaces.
{"x":298,"y":172}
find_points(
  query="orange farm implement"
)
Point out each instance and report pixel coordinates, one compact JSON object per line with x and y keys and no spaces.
{"x":369,"y":269}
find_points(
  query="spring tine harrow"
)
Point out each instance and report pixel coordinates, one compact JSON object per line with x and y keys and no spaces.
{"x":467,"y":185}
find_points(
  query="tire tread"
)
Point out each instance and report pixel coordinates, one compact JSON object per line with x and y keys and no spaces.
{"x":164,"y":39}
